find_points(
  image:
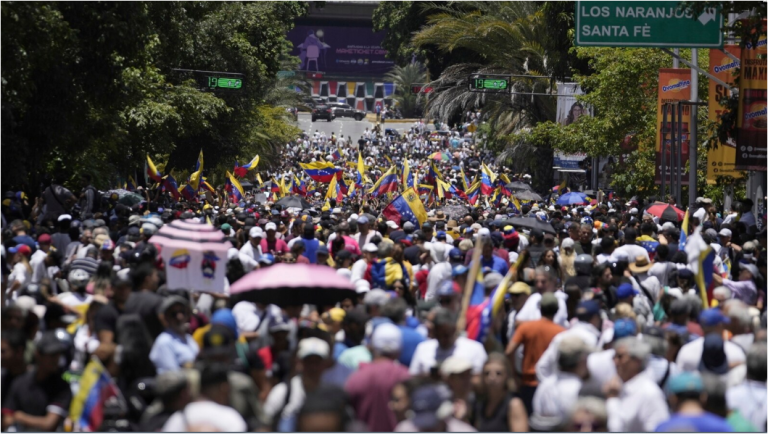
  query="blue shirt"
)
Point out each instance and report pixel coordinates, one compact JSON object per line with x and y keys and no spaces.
{"x":496,"y":264}
{"x":411,"y":339}
{"x":310,"y":249}
{"x":705,"y":422}
{"x":170,"y":351}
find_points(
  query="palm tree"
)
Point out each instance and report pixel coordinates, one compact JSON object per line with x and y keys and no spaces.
{"x":404,"y":77}
{"x":507,"y":36}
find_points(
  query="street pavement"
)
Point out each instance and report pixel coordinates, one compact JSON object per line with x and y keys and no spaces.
{"x":346,"y":126}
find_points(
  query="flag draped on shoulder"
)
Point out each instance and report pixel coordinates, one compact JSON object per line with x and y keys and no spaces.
{"x":95,"y":390}
{"x":321,"y":171}
{"x":406,"y":207}
{"x":387,"y":183}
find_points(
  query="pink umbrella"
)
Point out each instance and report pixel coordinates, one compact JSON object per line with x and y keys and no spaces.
{"x":294,"y":284}
{"x":195,"y":256}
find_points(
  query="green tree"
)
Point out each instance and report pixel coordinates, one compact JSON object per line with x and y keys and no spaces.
{"x":404,"y":77}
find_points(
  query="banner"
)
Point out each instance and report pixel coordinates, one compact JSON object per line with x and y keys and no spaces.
{"x":674,"y":85}
{"x":721,"y":161}
{"x":337,"y":49}
{"x":752,"y":140}
{"x":569,"y":111}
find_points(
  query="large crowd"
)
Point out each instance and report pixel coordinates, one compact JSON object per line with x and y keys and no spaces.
{"x":584,"y":317}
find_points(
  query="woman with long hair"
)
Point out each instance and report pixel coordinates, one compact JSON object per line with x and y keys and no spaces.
{"x":497,"y":409}
{"x":549,"y":258}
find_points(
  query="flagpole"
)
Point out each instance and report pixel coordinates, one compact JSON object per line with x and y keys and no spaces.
{"x":473,"y":272}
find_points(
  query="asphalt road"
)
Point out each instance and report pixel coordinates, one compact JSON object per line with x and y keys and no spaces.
{"x":345,"y":126}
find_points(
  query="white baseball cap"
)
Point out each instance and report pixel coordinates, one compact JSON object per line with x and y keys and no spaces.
{"x":313,"y":347}
{"x":271,"y":226}
{"x":392,"y":224}
{"x":725,"y":232}
{"x":256,"y":232}
{"x":387,"y":338}
{"x":370,"y":248}
{"x":455,"y":365}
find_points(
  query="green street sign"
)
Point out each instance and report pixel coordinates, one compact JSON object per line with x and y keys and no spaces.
{"x":225,"y":83}
{"x":646,"y":24}
{"x":488,"y":83}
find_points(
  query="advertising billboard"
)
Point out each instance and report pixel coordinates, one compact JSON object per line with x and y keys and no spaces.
{"x":752,"y":122}
{"x":674,"y":85}
{"x":340,"y":50}
{"x":721,"y":161}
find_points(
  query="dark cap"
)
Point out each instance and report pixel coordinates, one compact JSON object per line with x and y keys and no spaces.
{"x":343,"y":254}
{"x":713,"y":357}
{"x":219,"y":340}
{"x":49,"y":343}
{"x":587,"y":308}
{"x":322,"y":250}
{"x":356,"y":316}
{"x":171,"y":301}
{"x":679,"y":307}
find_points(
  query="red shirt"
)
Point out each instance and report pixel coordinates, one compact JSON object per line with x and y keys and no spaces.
{"x":279,"y":246}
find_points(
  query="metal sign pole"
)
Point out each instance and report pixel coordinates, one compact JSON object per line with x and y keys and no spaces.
{"x":680,"y":163}
{"x":672,"y":153}
{"x":663,"y":168}
{"x":692,"y":142}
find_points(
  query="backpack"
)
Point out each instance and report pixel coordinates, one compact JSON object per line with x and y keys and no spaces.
{"x":96,"y":199}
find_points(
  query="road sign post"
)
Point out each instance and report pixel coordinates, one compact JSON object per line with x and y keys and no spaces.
{"x":646,"y":24}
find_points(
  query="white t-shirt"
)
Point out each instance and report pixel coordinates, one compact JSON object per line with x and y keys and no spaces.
{"x":21,"y":274}
{"x":689,"y":357}
{"x":632,"y":251}
{"x":37,"y":262}
{"x":428,"y":354}
{"x":247,"y":316}
{"x":204,"y":416}
{"x":74,"y":299}
{"x":276,"y":399}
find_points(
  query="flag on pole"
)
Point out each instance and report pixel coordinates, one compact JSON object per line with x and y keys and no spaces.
{"x":683,"y":232}
{"x":487,"y":178}
{"x":96,"y":388}
{"x":701,"y":259}
{"x":321,"y":171}
{"x":408,"y":181}
{"x":407,"y":207}
{"x":387,"y":183}
{"x":196,"y":177}
{"x":241,"y":171}
{"x":464,"y":181}
{"x":152,"y":171}
{"x":131,"y":184}
{"x":237,"y":189}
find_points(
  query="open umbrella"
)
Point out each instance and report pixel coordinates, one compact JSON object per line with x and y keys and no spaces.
{"x":572,"y":198}
{"x":440,"y":156}
{"x":293,"y":202}
{"x":195,"y":255}
{"x":130,"y":199}
{"x":294,"y":284}
{"x":665,"y":211}
{"x":526,"y":195}
{"x":518,"y":186}
{"x":246,"y":185}
{"x":530,"y":223}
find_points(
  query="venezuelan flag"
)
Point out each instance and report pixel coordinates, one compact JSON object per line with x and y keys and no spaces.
{"x":96,"y":388}
{"x":473,"y":193}
{"x":196,"y":177}
{"x":425,"y":189}
{"x":241,"y":171}
{"x":131,"y":184}
{"x":188,"y":193}
{"x":487,"y":178}
{"x":684,"y":231}
{"x":464,"y":180}
{"x":514,"y":204}
{"x":237,"y":189}
{"x":152,"y":171}
{"x":434,"y":173}
{"x":407,"y":175}
{"x":359,"y":182}
{"x":649,"y":244}
{"x":275,"y":188}
{"x":321,"y":171}
{"x":502,"y":182}
{"x":702,"y":256}
{"x":406,"y":207}
{"x":299,"y":186}
{"x":387,"y":183}
{"x":169,"y":182}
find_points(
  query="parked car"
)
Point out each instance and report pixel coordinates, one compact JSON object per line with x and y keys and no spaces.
{"x":341,"y":110}
{"x":322,"y":112}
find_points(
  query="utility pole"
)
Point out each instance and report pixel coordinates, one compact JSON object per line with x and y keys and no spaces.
{"x":692,"y":147}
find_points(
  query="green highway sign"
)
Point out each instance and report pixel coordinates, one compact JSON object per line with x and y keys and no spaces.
{"x":488,"y":83}
{"x":225,"y":83}
{"x":646,"y":24}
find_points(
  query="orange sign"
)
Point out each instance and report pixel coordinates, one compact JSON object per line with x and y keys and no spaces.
{"x":674,"y":85}
{"x":752,"y":143}
{"x":721,"y":161}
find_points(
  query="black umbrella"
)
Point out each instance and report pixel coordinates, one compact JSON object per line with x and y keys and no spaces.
{"x":517,"y":185}
{"x":530,"y":223}
{"x":246,"y":185}
{"x":527,"y":195}
{"x":293,"y":202}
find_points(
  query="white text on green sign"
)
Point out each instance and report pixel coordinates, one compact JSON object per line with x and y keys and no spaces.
{"x":646,"y":24}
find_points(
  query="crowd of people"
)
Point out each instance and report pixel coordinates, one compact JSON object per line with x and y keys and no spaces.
{"x":602,"y":322}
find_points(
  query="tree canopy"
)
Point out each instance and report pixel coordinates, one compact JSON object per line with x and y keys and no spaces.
{"x":90,"y":87}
